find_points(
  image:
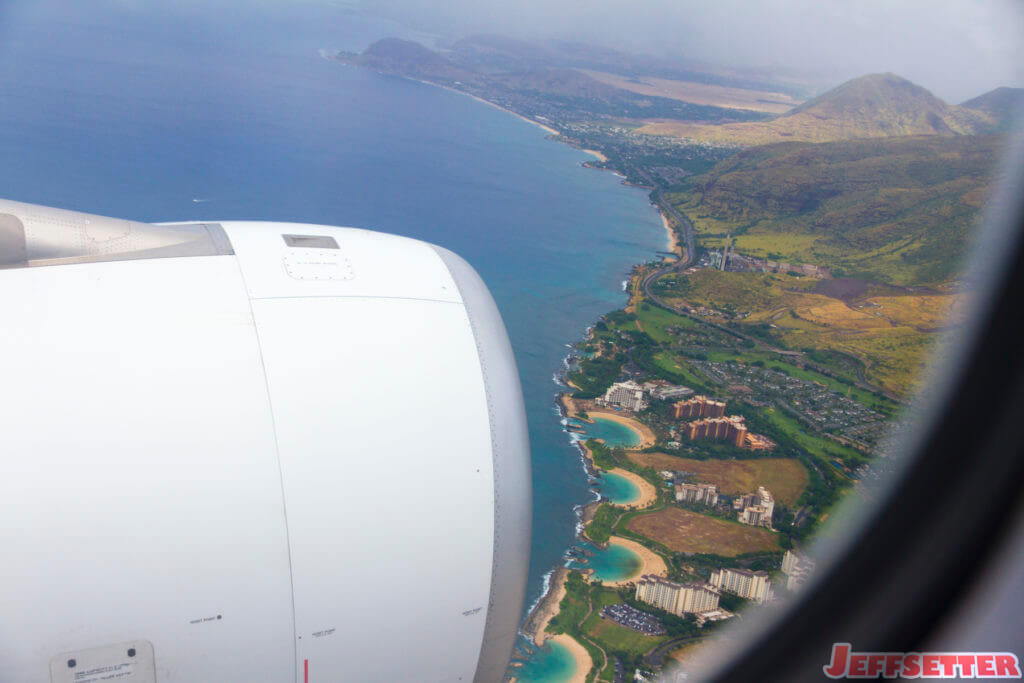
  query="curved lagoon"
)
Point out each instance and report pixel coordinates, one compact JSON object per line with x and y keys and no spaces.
{"x":618,"y":489}
{"x":552,"y":663}
{"x":613,"y":433}
{"x":615,"y":563}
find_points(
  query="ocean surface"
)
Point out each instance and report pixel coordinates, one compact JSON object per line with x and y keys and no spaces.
{"x":162,"y":114}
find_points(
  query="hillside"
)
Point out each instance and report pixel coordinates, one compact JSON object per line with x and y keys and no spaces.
{"x":872,"y":106}
{"x":495,"y":52}
{"x":407,"y":58}
{"x":999,"y":105}
{"x":894,"y":210}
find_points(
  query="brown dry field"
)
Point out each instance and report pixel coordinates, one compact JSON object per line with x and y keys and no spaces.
{"x":699,"y":93}
{"x":688,"y":532}
{"x":786,"y":478}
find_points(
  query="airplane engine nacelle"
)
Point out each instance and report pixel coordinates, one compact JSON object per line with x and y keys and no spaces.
{"x":253,"y":452}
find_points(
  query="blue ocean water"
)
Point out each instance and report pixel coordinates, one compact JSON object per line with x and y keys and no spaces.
{"x":618,"y":489}
{"x":217,"y":113}
{"x":613,"y":563}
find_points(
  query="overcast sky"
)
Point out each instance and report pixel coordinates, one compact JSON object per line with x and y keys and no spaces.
{"x":956,"y":48}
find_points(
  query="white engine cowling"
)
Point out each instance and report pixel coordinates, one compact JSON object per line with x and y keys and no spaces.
{"x":253,"y":452}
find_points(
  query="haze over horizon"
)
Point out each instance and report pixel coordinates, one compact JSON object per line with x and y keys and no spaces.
{"x":958,"y":49}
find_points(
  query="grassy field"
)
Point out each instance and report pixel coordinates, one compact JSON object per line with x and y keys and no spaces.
{"x":678,"y":365}
{"x":786,"y":478}
{"x":610,"y":635}
{"x":818,"y":446}
{"x":690,"y":532}
{"x":654,"y":320}
{"x":891,"y":335}
{"x":600,"y":529}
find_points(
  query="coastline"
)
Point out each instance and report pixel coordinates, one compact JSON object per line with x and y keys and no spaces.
{"x":549,"y":129}
{"x":583,"y":662}
{"x":548,"y":604}
{"x":547,"y":608}
{"x":673,"y":237}
{"x":456,"y":90}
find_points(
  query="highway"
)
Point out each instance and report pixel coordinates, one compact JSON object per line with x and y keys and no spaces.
{"x":687,"y":259}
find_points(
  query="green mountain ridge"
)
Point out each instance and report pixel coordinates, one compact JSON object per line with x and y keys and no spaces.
{"x":898,"y":210}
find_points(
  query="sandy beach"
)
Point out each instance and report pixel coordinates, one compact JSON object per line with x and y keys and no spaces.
{"x":579,"y":653}
{"x":498,"y":106}
{"x":648,"y":494}
{"x":594,"y":152}
{"x":650,"y":562}
{"x":673,"y":236}
{"x":488,"y":102}
{"x":647,"y":436}
{"x":547,"y":608}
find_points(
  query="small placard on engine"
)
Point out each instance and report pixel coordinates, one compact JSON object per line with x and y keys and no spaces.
{"x":130,"y":662}
{"x":318,"y":264}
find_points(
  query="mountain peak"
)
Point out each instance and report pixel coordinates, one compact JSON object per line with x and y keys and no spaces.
{"x":870,"y":106}
{"x":873,"y":89}
{"x":1001,"y":106}
{"x":405,"y":57}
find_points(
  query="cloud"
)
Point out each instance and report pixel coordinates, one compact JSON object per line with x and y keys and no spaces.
{"x":957,"y":48}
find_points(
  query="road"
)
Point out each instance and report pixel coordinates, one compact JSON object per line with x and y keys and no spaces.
{"x":687,"y":259}
{"x":656,"y":657}
{"x":651,"y":277}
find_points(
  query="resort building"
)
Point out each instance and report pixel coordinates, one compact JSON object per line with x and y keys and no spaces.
{"x":628,"y":395}
{"x":755,"y":515}
{"x":797,"y":567}
{"x":698,"y":406}
{"x":744,"y":583}
{"x":756,"y":509}
{"x":715,"y":615}
{"x":697,"y":493}
{"x":677,"y":598}
{"x":758,"y":442}
{"x":663,"y":391}
{"x":731,"y":429}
